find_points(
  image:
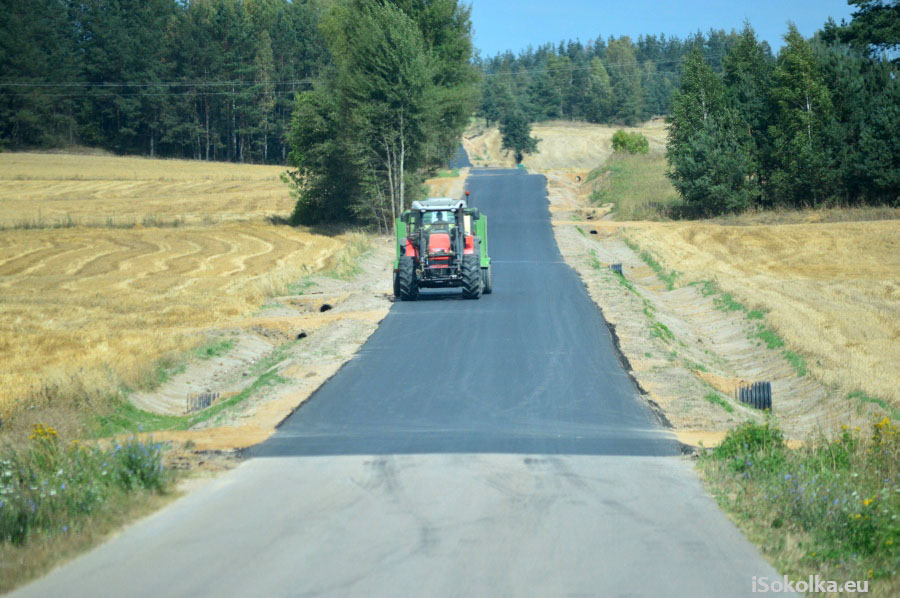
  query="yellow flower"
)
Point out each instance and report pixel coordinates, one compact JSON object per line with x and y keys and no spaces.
{"x":858,"y":516}
{"x":871,"y":573}
{"x":868,"y":501}
{"x":890,"y":542}
{"x":844,"y":428}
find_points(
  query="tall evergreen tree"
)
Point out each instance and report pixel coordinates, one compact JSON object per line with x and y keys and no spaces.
{"x":625,"y":77}
{"x":748,"y":69}
{"x":802,"y":110}
{"x":708,"y":148}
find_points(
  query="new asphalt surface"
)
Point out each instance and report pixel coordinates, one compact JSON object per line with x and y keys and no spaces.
{"x":530,"y":368}
{"x":472,"y":448}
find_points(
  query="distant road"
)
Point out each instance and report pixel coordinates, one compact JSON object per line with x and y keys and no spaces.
{"x":472,"y":448}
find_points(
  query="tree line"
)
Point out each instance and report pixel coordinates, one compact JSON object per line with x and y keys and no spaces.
{"x":817,"y":125}
{"x":204,"y":79}
{"x":616,"y":80}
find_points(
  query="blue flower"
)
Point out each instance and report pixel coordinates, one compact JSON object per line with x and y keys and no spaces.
{"x":65,"y":528}
{"x":836,"y":501}
{"x":63,"y":486}
{"x":787,"y":476}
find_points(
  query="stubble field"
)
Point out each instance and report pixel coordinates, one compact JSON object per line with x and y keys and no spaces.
{"x":109,"y":264}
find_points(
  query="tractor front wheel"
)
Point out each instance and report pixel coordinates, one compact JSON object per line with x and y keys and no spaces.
{"x":407,"y":285}
{"x":471,"y":277}
{"x":487,"y":281}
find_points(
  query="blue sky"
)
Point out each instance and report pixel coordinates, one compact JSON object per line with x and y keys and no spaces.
{"x":513,"y":25}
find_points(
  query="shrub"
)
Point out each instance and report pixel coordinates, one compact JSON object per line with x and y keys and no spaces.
{"x":839,"y":495}
{"x":633,"y":143}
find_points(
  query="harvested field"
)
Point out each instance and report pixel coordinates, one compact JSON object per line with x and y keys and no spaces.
{"x":564,"y":145}
{"x":85,"y":310}
{"x":52,"y":190}
{"x":832,"y":290}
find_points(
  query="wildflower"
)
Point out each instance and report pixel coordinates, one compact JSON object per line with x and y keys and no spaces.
{"x":889,"y":542}
{"x":65,"y":528}
{"x":836,"y":501}
{"x":787,"y":476}
{"x":858,"y":516}
{"x":867,"y":502}
{"x":63,"y":486}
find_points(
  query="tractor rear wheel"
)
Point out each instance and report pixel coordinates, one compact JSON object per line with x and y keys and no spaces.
{"x":487,"y":281}
{"x":407,"y":285}
{"x":471,"y":277}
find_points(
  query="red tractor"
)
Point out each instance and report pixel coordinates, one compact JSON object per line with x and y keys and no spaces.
{"x":442,"y":243}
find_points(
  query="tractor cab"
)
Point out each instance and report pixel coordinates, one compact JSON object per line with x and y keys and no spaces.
{"x":439,"y":245}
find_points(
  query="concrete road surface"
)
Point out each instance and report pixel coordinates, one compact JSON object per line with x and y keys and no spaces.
{"x":472,"y":448}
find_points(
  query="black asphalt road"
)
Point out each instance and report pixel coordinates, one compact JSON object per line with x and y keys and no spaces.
{"x":530,"y":368}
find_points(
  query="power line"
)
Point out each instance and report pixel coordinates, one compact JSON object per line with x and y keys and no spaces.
{"x":43,"y":84}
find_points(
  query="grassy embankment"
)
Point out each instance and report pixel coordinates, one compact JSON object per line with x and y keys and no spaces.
{"x":830,"y":508}
{"x":112,"y":273}
{"x":820,"y":285}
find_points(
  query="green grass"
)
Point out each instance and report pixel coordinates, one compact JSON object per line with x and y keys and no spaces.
{"x":661,"y":331}
{"x":862,"y":398}
{"x":635,"y":184}
{"x":796,"y":360}
{"x":715,"y":399}
{"x":447,"y":174}
{"x":300,"y":287}
{"x":664,"y":275}
{"x":125,"y":418}
{"x":595,"y":262}
{"x":214,"y":348}
{"x":725,"y":302}
{"x":46,"y":485}
{"x":583,"y":234}
{"x":56,"y":497}
{"x":829,"y":508}
{"x":769,"y":337}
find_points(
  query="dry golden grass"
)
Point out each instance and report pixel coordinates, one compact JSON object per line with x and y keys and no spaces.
{"x":85,"y":310}
{"x":48,"y":189}
{"x":564,"y":145}
{"x":832,"y":290}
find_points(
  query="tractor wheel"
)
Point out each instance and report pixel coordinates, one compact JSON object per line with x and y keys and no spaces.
{"x":487,"y":281}
{"x":471,"y":275}
{"x":407,"y":285}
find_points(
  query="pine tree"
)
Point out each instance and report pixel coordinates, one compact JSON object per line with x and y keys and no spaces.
{"x":708,"y":149}
{"x":516,"y":135}
{"x":748,"y":67}
{"x":802,"y":109}
{"x":625,"y":78}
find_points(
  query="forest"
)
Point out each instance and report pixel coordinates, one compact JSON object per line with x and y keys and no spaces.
{"x":203,"y":79}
